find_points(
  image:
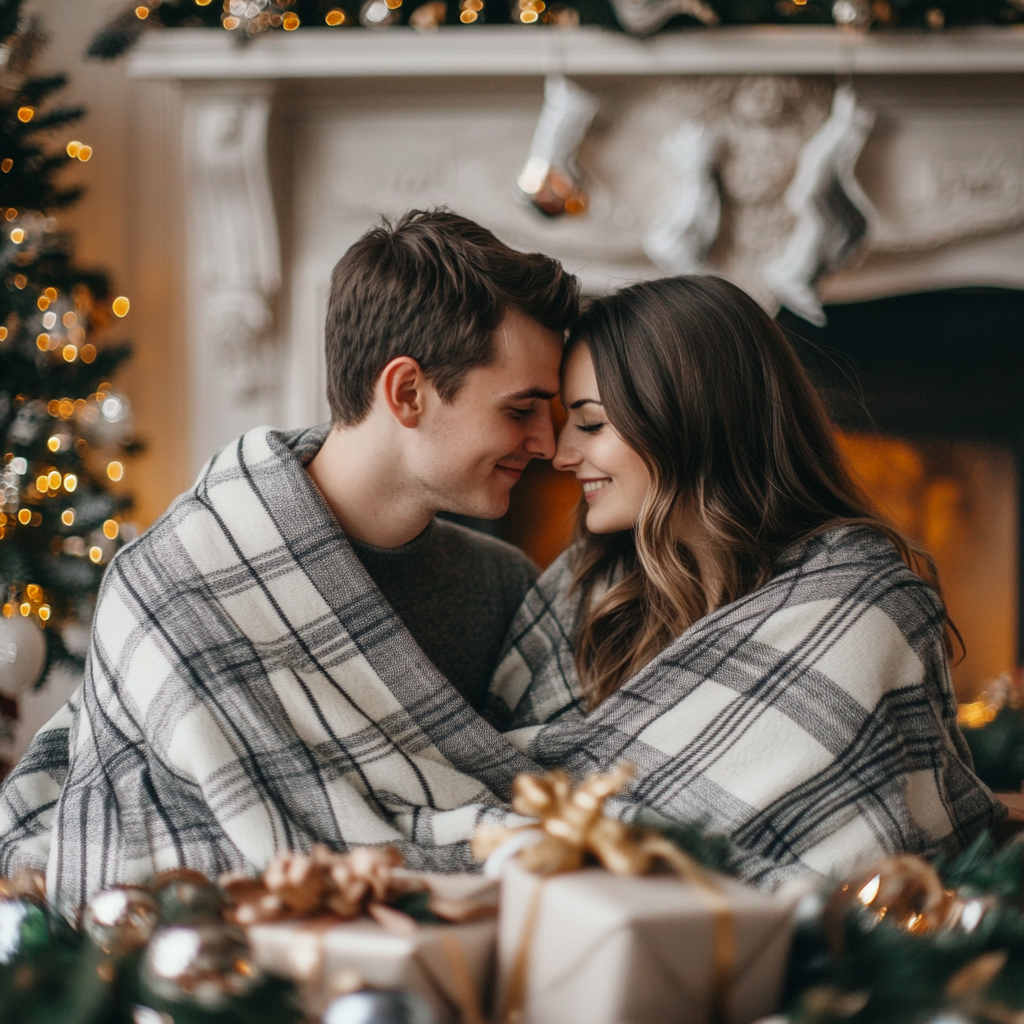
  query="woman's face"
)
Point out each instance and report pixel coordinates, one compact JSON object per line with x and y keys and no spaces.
{"x":615,"y":479}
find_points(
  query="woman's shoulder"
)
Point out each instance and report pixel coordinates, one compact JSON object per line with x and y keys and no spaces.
{"x":859,"y":564}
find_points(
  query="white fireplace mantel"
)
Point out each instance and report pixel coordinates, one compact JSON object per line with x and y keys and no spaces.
{"x":508,"y":50}
{"x":293,"y":145}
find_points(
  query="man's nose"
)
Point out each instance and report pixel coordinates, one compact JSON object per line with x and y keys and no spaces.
{"x":566,"y":456}
{"x":541,"y":442}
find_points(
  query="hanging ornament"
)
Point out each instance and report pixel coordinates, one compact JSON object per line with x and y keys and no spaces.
{"x":187,"y":897}
{"x":369,"y":1007}
{"x":550,"y":178}
{"x":645,"y":17}
{"x":833,"y":215}
{"x":429,"y":16}
{"x":854,"y":14}
{"x":680,"y":241}
{"x":22,"y":654}
{"x":205,"y":964}
{"x":248,"y":18}
{"x":121,"y":919}
{"x":379,"y":13}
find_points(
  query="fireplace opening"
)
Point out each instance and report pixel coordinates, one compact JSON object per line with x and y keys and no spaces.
{"x":927,"y":391}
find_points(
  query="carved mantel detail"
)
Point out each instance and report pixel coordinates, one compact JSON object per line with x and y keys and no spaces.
{"x":234,"y":253}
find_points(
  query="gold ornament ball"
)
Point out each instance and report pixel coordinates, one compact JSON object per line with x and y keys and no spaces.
{"x":206,"y":964}
{"x":121,"y":919}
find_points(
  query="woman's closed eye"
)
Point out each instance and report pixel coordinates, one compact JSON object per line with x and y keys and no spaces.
{"x":589,"y":428}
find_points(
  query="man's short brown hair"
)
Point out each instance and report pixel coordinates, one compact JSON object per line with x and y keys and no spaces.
{"x":433,"y":286}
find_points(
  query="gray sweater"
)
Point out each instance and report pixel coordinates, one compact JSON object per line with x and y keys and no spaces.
{"x":456,"y":590}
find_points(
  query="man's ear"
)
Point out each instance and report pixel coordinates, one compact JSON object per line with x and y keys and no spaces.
{"x":403,"y":386}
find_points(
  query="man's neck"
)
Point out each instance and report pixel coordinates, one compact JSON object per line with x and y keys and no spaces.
{"x":368,"y":493}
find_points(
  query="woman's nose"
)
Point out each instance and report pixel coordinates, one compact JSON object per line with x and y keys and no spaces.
{"x":567,"y":458}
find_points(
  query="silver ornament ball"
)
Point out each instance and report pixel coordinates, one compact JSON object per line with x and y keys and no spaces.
{"x":14,"y":912}
{"x":208,"y":964}
{"x":852,"y":13}
{"x":22,"y":654}
{"x":369,"y":1007}
{"x":122,"y":918}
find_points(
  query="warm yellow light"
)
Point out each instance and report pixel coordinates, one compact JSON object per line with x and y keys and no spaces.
{"x":70,"y":353}
{"x":20,"y":280}
{"x":18,"y":236}
{"x":42,"y":483}
{"x":231,"y":23}
{"x":468,"y":17}
{"x":84,"y":153}
{"x":44,"y":612}
{"x":42,"y":342}
{"x":53,"y":443}
{"x":11,"y":213}
{"x":73,"y":147}
{"x":50,"y":293}
{"x":528,"y":17}
{"x":3,"y":333}
{"x":88,"y":353}
{"x":393,"y":5}
{"x":69,"y":319}
{"x":869,"y":890}
{"x":115,"y":470}
{"x":95,"y":554}
{"x":120,"y":306}
{"x":24,"y":515}
{"x":25,"y":114}
{"x":110,"y":529}
{"x":291,"y":22}
{"x":3,"y":519}
{"x":142,"y":12}
{"x":7,"y":164}
{"x":67,"y":517}
{"x":335,"y":17}
{"x":25,"y":608}
{"x":43,"y":302}
{"x":8,"y":609}
{"x":54,"y":480}
{"x":972,"y":715}
{"x":66,"y":408}
{"x":34,"y":591}
{"x":203,"y":3}
{"x":70,"y":482}
{"x":53,"y":407}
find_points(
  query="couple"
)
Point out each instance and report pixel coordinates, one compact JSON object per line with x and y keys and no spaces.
{"x":298,"y":651}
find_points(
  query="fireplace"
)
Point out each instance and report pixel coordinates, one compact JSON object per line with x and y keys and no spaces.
{"x":278,"y":155}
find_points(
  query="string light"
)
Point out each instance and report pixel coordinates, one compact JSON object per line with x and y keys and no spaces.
{"x":6,"y":165}
{"x":120,"y":306}
{"x":67,"y":517}
{"x":18,"y":236}
{"x":142,"y":13}
{"x":95,"y":554}
{"x":335,"y":16}
{"x":25,"y":114}
{"x":290,"y":22}
{"x":70,"y":482}
{"x":110,"y":529}
{"x":115,"y":470}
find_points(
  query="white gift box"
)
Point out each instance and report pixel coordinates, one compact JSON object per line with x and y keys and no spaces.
{"x":450,"y":965}
{"x":608,"y":949}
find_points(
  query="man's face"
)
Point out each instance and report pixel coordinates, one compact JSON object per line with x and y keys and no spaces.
{"x":475,"y":448}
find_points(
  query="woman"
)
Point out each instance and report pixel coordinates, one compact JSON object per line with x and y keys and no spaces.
{"x":736,"y":617}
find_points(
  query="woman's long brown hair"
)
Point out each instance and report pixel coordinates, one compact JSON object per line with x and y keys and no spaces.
{"x":701,"y":383}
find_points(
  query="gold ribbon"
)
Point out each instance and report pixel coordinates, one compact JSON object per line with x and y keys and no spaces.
{"x":575,"y":830}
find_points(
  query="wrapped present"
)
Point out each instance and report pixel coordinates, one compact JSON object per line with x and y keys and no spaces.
{"x":591,"y":947}
{"x":622,"y":943}
{"x":338,"y":922}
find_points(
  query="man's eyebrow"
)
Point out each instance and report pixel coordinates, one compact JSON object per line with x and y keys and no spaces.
{"x":585,"y":401}
{"x":522,"y":396}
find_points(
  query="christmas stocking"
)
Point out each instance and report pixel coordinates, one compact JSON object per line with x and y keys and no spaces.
{"x":833,"y":215}
{"x":679,"y":241}
{"x":550,"y":178}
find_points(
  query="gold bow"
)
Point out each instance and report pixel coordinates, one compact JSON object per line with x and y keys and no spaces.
{"x":576,"y":829}
{"x":345,"y":885}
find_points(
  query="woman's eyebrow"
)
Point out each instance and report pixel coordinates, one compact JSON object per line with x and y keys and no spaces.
{"x":579,"y":403}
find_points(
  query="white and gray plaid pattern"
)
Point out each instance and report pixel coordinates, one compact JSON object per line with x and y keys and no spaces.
{"x":248,"y":691}
{"x":813,"y":721}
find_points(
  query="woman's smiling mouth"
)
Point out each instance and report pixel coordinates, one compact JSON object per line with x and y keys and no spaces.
{"x":591,"y":487}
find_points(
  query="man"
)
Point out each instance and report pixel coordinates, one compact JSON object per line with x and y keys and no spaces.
{"x":270,"y":662}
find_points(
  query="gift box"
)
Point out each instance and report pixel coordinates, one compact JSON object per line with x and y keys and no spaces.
{"x":593,"y":947}
{"x":450,"y":965}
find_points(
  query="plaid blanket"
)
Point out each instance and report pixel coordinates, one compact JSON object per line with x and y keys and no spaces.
{"x":813,"y":721}
{"x":248,"y":690}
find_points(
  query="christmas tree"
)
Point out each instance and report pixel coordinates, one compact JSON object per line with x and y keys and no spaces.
{"x":64,"y":431}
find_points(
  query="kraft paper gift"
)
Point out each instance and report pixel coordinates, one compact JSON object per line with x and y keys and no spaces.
{"x":450,"y":965}
{"x":611,"y":949}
